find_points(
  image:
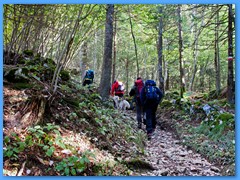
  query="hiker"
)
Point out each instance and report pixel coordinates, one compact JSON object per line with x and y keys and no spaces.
{"x":117,"y":89}
{"x":150,"y":98}
{"x":88,"y":77}
{"x":135,"y":91}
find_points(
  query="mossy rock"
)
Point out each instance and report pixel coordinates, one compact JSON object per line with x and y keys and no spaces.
{"x":37,"y":60}
{"x":22,"y":85}
{"x":138,"y":164}
{"x":64,"y":74}
{"x":9,"y":74}
{"x":21,"y":61}
{"x":49,"y":61}
{"x":166,"y":103}
{"x":73,"y":102}
{"x":48,"y":74}
{"x":17,"y":75}
{"x":28,"y":52}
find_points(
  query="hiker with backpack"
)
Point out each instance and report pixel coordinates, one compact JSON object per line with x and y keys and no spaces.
{"x":117,"y":89}
{"x":150,"y":97}
{"x":135,"y":91}
{"x":88,"y":77}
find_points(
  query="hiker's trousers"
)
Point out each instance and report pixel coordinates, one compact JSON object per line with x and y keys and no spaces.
{"x":150,"y":118}
{"x":139,"y":113}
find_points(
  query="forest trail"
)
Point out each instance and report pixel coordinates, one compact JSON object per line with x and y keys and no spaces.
{"x":169,"y":158}
{"x":164,"y":153}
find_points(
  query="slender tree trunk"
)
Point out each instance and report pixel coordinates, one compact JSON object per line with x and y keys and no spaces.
{"x":216,"y":55}
{"x":107,"y":61}
{"x":64,"y":54}
{"x":95,"y":51}
{"x":201,"y":78}
{"x":127,"y":73}
{"x":182,"y":81}
{"x":230,"y":93}
{"x":134,"y":41}
{"x":167,"y":86}
{"x":114,"y":48}
{"x":160,"y":49}
{"x":85,"y":63}
{"x":195,"y":51}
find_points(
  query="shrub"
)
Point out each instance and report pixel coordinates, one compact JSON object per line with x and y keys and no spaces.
{"x":65,"y":75}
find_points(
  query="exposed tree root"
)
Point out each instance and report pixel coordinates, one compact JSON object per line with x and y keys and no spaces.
{"x":32,"y":112}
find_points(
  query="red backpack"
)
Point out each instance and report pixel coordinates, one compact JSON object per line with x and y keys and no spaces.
{"x":139,"y":84}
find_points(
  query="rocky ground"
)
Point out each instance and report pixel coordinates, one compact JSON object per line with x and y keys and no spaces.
{"x":170,"y":158}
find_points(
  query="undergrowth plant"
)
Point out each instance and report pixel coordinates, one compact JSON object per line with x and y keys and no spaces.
{"x":37,"y":136}
{"x":73,"y":165}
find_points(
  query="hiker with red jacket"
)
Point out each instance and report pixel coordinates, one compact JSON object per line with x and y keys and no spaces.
{"x":150,"y":97}
{"x":117,"y":89}
{"x":135,"y":91}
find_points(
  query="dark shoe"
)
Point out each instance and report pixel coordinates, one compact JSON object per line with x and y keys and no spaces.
{"x":149,"y":136}
{"x":139,"y":126}
{"x":144,"y":121}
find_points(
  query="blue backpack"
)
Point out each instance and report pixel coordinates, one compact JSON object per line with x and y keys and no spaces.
{"x":151,"y":92}
{"x":90,"y":74}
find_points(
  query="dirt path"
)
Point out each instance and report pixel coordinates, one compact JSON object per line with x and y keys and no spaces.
{"x":170,"y":158}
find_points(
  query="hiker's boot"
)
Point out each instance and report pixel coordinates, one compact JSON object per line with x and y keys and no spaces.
{"x":144,"y":121}
{"x":149,"y":136}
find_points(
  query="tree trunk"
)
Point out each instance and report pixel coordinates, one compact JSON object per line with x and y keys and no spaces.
{"x":160,"y":49}
{"x":85,"y":64}
{"x":195,"y":51}
{"x":230,"y":94}
{"x":127,"y":73}
{"x":107,"y":61}
{"x":114,"y":48}
{"x":216,"y":54}
{"x":201,"y":78}
{"x":182,"y":81}
{"x":134,"y":41}
{"x":62,"y":60}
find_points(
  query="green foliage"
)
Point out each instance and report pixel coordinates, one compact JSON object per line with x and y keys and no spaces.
{"x":41,"y":137}
{"x":172,"y":95}
{"x":50,"y":62}
{"x":73,"y":165}
{"x":102,"y":130}
{"x":166,"y":104}
{"x":13,"y":146}
{"x":64,"y":74}
{"x":38,"y":137}
{"x":65,"y":88}
{"x":28,"y":52}
{"x":72,"y":116}
{"x":139,"y":139}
